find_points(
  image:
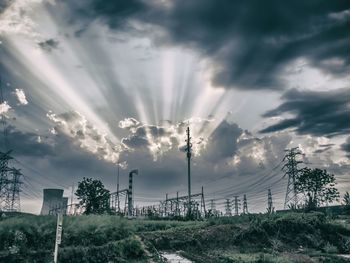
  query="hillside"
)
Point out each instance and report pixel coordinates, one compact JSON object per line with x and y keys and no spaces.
{"x":253,"y":238}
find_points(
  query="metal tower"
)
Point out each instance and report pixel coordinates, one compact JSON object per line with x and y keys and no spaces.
{"x":117,"y":196}
{"x":237,"y":204}
{"x":245,"y":205}
{"x":228,"y":211}
{"x":130,"y":192}
{"x":291,"y":170}
{"x":188,"y":154}
{"x":4,"y":180}
{"x":9,"y":177}
{"x":212,"y":205}
{"x":270,"y":208}
{"x":14,"y":204}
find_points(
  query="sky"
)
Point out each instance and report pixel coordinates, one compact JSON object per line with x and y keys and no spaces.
{"x":88,"y":84}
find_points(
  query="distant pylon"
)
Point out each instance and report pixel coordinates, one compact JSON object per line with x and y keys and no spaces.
{"x":228,"y":211}
{"x":291,"y":170}
{"x":237,"y":204}
{"x":245,"y":205}
{"x":270,"y":208}
{"x":212,"y":205}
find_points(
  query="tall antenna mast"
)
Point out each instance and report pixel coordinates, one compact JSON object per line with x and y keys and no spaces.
{"x":118,"y":202}
{"x":188,"y":153}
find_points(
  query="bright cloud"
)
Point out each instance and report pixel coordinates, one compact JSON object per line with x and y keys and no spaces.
{"x":4,"y":107}
{"x":86,"y":135}
{"x":21,"y":96}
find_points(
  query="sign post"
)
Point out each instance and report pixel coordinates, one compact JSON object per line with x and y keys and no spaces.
{"x":58,"y":235}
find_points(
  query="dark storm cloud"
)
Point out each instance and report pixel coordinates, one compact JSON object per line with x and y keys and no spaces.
{"x":318,"y":113}
{"x":135,"y":142}
{"x":249,"y":42}
{"x":324,"y":147}
{"x":214,"y":159}
{"x":222,"y":144}
{"x":26,"y":143}
{"x":113,"y":13}
{"x":49,"y":44}
{"x":346,"y":147}
{"x":62,"y":156}
{"x":323,"y":150}
{"x":4,"y":4}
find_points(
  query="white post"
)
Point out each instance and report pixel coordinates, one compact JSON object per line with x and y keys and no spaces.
{"x":58,"y":235}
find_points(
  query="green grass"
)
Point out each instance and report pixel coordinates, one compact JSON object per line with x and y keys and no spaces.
{"x":105,"y":238}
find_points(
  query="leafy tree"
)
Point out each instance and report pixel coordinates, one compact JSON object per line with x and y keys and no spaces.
{"x":318,"y":187}
{"x":93,"y":196}
{"x":346,"y":202}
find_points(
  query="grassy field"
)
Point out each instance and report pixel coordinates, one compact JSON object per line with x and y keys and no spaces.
{"x":292,"y":237}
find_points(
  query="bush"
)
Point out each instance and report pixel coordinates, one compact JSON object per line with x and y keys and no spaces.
{"x":120,"y":251}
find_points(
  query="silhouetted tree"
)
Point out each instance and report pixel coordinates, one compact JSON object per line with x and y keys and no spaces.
{"x":318,"y":187}
{"x":93,"y":196}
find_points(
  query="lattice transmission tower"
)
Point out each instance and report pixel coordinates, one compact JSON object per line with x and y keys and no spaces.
{"x":291,"y":170}
{"x":228,"y":211}
{"x":245,"y":205}
{"x":10,"y":178}
{"x":270,"y":208}
{"x":237,"y":205}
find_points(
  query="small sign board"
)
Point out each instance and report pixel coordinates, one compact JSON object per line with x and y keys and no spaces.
{"x":59,"y":229}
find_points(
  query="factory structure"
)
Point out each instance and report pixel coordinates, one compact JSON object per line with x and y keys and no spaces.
{"x":54,"y":202}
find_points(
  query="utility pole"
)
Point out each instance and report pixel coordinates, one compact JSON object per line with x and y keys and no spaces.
{"x":228,"y":208}
{"x":291,"y":170}
{"x":270,"y":208}
{"x":245,"y":205}
{"x":236,"y":205}
{"x":189,"y":153}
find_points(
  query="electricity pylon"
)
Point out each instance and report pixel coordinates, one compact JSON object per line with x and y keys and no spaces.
{"x":15,"y":204}
{"x":237,"y":204}
{"x":9,"y":177}
{"x":291,"y":170}
{"x":245,"y":205}
{"x":228,"y":211}
{"x":270,"y":208}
